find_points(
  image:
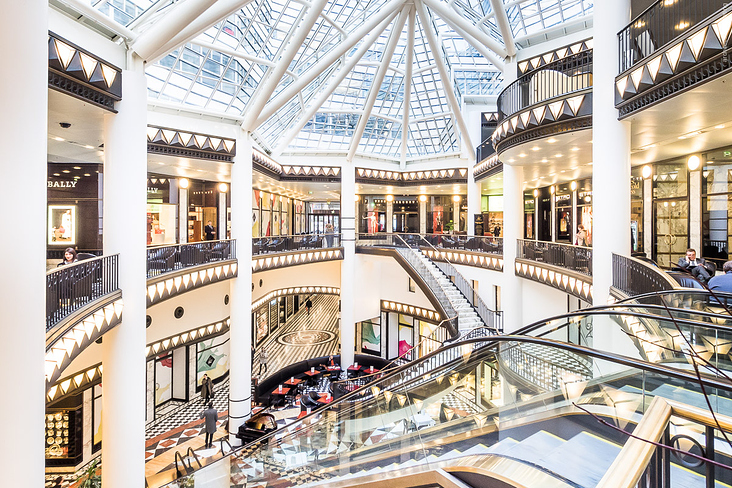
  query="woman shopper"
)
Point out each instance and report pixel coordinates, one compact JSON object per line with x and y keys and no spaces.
{"x":69,"y":256}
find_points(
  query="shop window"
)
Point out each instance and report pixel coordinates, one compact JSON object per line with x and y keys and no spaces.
{"x":717,"y":205}
{"x":636,"y":210}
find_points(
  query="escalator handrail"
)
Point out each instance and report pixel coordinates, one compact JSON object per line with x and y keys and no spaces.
{"x":610,"y":310}
{"x":492,"y":341}
{"x":678,"y":291}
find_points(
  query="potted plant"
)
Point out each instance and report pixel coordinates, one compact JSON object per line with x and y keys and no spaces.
{"x":92,"y":477}
{"x":450,"y":226}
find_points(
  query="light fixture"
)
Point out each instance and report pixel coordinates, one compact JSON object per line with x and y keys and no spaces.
{"x":423,"y":198}
{"x":183,"y":183}
{"x":356,"y":198}
{"x":552,"y":189}
{"x":647,"y":171}
{"x":456,"y":198}
{"x":223,"y":187}
{"x":693,"y":162}
{"x":390,"y":198}
{"x":573,"y":185}
{"x":551,"y":140}
{"x":536,"y":193}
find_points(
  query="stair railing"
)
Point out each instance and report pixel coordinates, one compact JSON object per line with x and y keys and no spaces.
{"x":491,"y":318}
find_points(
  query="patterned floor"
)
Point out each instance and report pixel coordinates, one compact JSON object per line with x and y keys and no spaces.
{"x":305,"y":336}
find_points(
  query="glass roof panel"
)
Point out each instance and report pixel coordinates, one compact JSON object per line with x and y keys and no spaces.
{"x":200,"y":76}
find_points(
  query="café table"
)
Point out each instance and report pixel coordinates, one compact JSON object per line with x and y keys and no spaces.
{"x":278,"y":396}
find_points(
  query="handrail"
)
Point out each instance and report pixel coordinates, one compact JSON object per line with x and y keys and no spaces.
{"x":165,"y":259}
{"x":635,"y":456}
{"x":659,"y":25}
{"x":190,"y":453}
{"x":559,"y":78}
{"x":490,"y":318}
{"x":395,"y":361}
{"x":568,"y":256}
{"x":634,"y":277}
{"x":73,"y":286}
{"x":272,"y":244}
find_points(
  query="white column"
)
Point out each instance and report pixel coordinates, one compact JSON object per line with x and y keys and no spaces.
{"x":389,"y":215}
{"x":348,"y":265}
{"x":455,"y":215}
{"x":24,"y":95}
{"x":575,"y":216}
{"x":423,"y":217}
{"x":513,"y":215}
{"x":240,"y":366}
{"x":182,"y":215}
{"x":695,"y":209}
{"x":553,"y":214}
{"x":221,"y":228}
{"x":610,"y":152}
{"x":123,"y":348}
{"x":474,"y":202}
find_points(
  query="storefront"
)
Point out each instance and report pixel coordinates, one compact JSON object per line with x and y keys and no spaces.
{"x":670,"y":211}
{"x":584,"y":209}
{"x":529,"y":215}
{"x":74,"y":208}
{"x":716,"y":205}
{"x":203,"y":200}
{"x":492,"y":210}
{"x":636,"y":210}
{"x":275,"y":215}
{"x":322,"y":214}
{"x":268,"y":317}
{"x":162,"y":210}
{"x":564,"y":220}
{"x":405,"y":216}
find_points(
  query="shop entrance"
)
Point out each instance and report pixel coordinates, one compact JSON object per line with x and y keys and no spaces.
{"x":317,"y":223}
{"x":671,"y":231}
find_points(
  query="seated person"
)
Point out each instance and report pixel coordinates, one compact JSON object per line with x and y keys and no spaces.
{"x":723,"y":282}
{"x":698,"y":267}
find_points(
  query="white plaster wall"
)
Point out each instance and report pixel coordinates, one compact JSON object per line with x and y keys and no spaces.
{"x":327,"y":273}
{"x":202,"y":306}
{"x":540,"y":302}
{"x":381,"y":277}
{"x":150,"y":392}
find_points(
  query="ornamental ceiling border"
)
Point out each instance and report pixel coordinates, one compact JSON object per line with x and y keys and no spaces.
{"x":173,"y":142}
{"x":79,"y":73}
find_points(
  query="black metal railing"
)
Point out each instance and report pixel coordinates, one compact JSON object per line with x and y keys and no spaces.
{"x":491,"y":318}
{"x":265,"y":245}
{"x":635,"y":277}
{"x":558,"y":78}
{"x":484,"y":244}
{"x":485,"y":150}
{"x":573,"y":258}
{"x":73,"y":286}
{"x":164,"y":259}
{"x":660,"y":24}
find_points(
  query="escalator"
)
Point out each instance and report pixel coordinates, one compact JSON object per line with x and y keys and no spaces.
{"x":504,"y":411}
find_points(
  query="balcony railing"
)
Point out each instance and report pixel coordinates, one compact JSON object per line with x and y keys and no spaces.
{"x":635,"y":277}
{"x":164,"y":259}
{"x":273,"y":244}
{"x":71,"y":287}
{"x":483,"y":244}
{"x":573,"y":258}
{"x":558,"y":78}
{"x":659,"y":25}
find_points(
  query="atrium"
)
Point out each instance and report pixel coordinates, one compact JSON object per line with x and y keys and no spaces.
{"x":386,"y":242}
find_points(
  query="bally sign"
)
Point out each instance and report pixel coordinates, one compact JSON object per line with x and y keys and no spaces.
{"x":62,"y":184}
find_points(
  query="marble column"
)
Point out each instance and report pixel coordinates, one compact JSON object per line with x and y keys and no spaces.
{"x":348,"y":265}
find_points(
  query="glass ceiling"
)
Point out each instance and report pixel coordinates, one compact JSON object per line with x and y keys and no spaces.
{"x":227,"y":68}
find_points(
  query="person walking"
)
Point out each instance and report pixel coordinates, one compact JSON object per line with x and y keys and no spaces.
{"x":262,"y":361}
{"x":581,"y":239}
{"x":206,"y":388}
{"x":308,"y":305}
{"x":211,"y":416}
{"x":329,"y":234}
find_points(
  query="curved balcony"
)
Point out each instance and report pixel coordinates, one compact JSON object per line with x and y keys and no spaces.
{"x":83,"y":301}
{"x":632,"y":276}
{"x":281,"y":251}
{"x":554,"y":98}
{"x":563,"y":266}
{"x":178,"y":268}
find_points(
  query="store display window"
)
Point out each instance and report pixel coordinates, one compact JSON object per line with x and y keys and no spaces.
{"x":74,"y":217}
{"x":162,"y":211}
{"x":717,"y":205}
{"x":202,"y":207}
{"x":439,"y":214}
{"x":564,"y":215}
{"x":671,"y":211}
{"x":405,"y":214}
{"x":529,"y":209}
{"x":63,"y":434}
{"x":584,"y":209}
{"x":636,"y":210}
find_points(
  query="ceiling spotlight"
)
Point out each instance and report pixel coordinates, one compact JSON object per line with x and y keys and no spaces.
{"x":573,"y":185}
{"x":647,"y":171}
{"x":536,"y":193}
{"x":390,"y":198}
{"x":456,"y":198}
{"x":423,"y":198}
{"x":356,"y":197}
{"x":223,"y":187}
{"x":183,"y":183}
{"x":551,"y":140}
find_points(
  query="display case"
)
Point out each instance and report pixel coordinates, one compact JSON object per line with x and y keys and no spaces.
{"x":63,"y":439}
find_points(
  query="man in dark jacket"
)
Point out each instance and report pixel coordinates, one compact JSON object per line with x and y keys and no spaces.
{"x":698,"y":267}
{"x":723,"y":282}
{"x":209,"y":231}
{"x":206,"y":388}
{"x":211,"y":416}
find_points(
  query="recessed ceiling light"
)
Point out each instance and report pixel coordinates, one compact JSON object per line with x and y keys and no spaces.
{"x":56,"y":138}
{"x":545,"y":160}
{"x":682,"y":137}
{"x":66,"y":171}
{"x":720,"y":126}
{"x":522,"y":155}
{"x":575,"y":149}
{"x":57,"y":174}
{"x":87,"y":174}
{"x":558,"y":155}
{"x":77,"y":167}
{"x":88,"y":146}
{"x":551,"y":140}
{"x":535,"y":148}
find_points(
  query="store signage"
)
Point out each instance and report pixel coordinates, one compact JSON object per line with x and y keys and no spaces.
{"x":62,"y":184}
{"x":562,"y":198}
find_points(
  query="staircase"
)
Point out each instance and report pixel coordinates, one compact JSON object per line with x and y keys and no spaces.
{"x":468,"y":318}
